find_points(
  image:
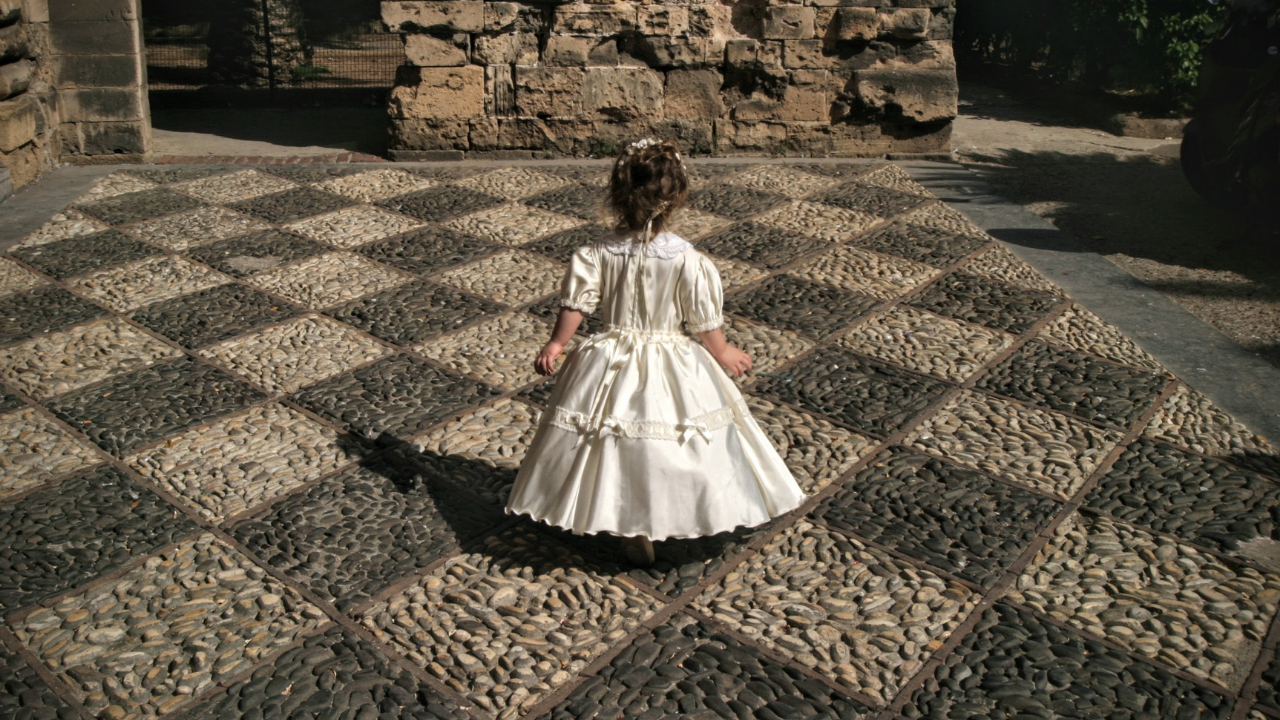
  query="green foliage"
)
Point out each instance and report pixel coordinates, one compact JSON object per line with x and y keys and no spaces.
{"x":601,"y":148}
{"x":1144,"y":46}
{"x":310,"y":72}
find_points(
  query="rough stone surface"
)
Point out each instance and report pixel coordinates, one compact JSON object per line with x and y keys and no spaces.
{"x":33,"y":450}
{"x":927,"y":343}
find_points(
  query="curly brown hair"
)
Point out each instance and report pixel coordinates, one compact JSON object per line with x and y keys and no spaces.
{"x":648,"y":184}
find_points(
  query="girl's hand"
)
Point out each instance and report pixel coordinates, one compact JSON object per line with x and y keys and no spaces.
{"x":734,"y":361}
{"x":546,"y":362}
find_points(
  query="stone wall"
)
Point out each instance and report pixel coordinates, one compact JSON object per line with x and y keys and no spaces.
{"x":810,"y":77}
{"x":28,"y":107}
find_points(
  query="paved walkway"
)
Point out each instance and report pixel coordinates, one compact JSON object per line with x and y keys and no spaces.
{"x":258,"y":425}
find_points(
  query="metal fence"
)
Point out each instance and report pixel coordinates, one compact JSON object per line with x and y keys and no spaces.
{"x":335,"y":50}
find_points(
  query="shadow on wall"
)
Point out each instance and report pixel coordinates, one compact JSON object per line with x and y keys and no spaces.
{"x":1140,"y":212}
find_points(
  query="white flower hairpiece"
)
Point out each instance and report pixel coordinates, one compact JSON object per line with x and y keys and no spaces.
{"x":649,"y":142}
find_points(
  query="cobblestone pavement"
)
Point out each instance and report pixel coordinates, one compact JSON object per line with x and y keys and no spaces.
{"x":258,"y":424}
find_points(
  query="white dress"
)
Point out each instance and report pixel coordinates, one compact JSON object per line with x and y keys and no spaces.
{"x":644,"y":433}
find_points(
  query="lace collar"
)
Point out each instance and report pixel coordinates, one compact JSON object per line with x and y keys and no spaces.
{"x":665,"y":245}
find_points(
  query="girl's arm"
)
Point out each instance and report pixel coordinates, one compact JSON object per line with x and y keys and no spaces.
{"x":567,"y":323}
{"x":733,"y":360}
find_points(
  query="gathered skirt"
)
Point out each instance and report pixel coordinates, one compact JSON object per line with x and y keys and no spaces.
{"x":645,"y":435}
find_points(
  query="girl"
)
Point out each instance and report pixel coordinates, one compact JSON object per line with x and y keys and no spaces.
{"x":645,"y":436}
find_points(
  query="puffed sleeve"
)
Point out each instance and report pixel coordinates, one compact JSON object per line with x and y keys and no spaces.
{"x":580,"y":289}
{"x":701,"y":295}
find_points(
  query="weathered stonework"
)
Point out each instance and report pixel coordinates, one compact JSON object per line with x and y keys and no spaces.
{"x":541,"y":78}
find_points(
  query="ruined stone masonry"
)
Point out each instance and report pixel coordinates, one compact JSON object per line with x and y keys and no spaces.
{"x":810,"y":77}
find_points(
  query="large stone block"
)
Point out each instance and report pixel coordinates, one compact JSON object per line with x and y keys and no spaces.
{"x":666,"y":20}
{"x":430,"y":51}
{"x":439,"y":93}
{"x":14,"y":44}
{"x":17,"y":123}
{"x":712,"y":21}
{"x":803,"y":54}
{"x":669,"y":52}
{"x":693,"y":95}
{"x":105,"y":37}
{"x":623,"y":93}
{"x":10,"y":12}
{"x":549,"y":91}
{"x":920,"y":92}
{"x":906,"y":23}
{"x":507,"y":49}
{"x":101,"y":105}
{"x":414,"y":15}
{"x":15,"y":78}
{"x":429,"y":134}
{"x":97,"y":71}
{"x":598,"y":20}
{"x":855,"y":23}
{"x":23,"y":164}
{"x":115,"y":138}
{"x":740,"y":138}
{"x":786,"y":22}
{"x":80,"y":10}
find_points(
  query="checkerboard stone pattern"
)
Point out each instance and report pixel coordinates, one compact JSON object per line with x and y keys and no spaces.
{"x":258,"y":426}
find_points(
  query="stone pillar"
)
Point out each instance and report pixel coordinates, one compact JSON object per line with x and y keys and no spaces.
{"x":28,"y":108}
{"x":802,"y":77}
{"x":99,"y":71}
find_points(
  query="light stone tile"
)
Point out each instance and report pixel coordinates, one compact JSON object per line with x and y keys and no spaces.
{"x":693,"y":225}
{"x":824,"y":222}
{"x":354,"y":226}
{"x":998,"y":263}
{"x":184,"y":621}
{"x":34,"y":449}
{"x":769,"y":347}
{"x":244,"y":460}
{"x":868,"y":621}
{"x":69,"y":223}
{"x":496,"y":436}
{"x":1191,"y":420}
{"x":867,"y":273}
{"x":1080,"y":330}
{"x":1050,"y":452}
{"x":780,"y":179}
{"x":233,"y":187}
{"x":513,"y":277}
{"x":326,"y":280}
{"x":376,"y":184}
{"x":513,"y":223}
{"x":926,"y":343}
{"x":734,"y":274}
{"x":513,"y":183}
{"x":499,"y":351}
{"x":15,"y":279}
{"x":1153,"y":595}
{"x":894,"y":178}
{"x":815,"y":451}
{"x":197,"y":227}
{"x":113,"y":185}
{"x":60,"y":362}
{"x":126,"y":288}
{"x":940,"y":216}
{"x":288,"y":357}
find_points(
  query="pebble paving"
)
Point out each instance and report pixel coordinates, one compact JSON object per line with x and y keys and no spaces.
{"x":257,"y":426}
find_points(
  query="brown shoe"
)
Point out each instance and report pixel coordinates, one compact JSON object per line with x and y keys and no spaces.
{"x":639,"y":550}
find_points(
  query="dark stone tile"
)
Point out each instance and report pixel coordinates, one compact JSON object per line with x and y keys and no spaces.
{"x":1071,"y":382}
{"x":866,"y":395}
{"x":1269,"y":689}
{"x":581,"y":173}
{"x":256,"y":252}
{"x":446,"y":173}
{"x":132,"y":410}
{"x":440,"y":203}
{"x":138,"y":206}
{"x":687,"y":669}
{"x":26,"y":694}
{"x":414,"y":313}
{"x":550,"y":310}
{"x":75,"y":256}
{"x":952,"y":518}
{"x":9,"y":402}
{"x":332,"y":675}
{"x":353,"y":534}
{"x":1016,"y":665}
{"x":761,"y":245}
{"x":45,"y":309}
{"x":734,"y":203}
{"x":83,"y":527}
{"x":562,"y":245}
{"x":986,"y":302}
{"x":872,"y":199}
{"x":931,"y":246}
{"x":1200,"y":500}
{"x":394,"y":399}
{"x":428,"y":250}
{"x":844,"y":170}
{"x":311,"y":173}
{"x":213,"y":315}
{"x":289,"y":205}
{"x":581,"y":201}
{"x":702,"y":173}
{"x":165,"y":175}
{"x":539,"y":394}
{"x":799,"y":305}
